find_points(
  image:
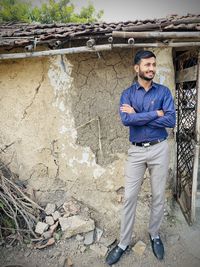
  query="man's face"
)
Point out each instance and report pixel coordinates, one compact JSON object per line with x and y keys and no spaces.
{"x":146,"y":68}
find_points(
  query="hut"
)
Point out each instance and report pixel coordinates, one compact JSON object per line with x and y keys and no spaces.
{"x":59,"y":91}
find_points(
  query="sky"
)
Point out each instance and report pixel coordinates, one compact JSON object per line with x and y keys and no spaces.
{"x":124,"y":10}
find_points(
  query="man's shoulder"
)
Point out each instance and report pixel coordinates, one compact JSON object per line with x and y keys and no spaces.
{"x":129,"y":89}
{"x":162,"y":87}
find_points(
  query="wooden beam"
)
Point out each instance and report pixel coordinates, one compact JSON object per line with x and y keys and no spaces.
{"x":186,"y":75}
{"x":95,"y":48}
{"x":160,"y":35}
{"x":198,"y":101}
{"x":83,"y":49}
{"x":184,"y":44}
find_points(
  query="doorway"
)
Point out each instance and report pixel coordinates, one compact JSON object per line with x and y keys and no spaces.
{"x":187,"y":66}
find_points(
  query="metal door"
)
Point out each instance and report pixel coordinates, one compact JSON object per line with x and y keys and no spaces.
{"x":188,"y":109}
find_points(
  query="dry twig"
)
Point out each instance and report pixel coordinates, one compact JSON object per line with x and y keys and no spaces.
{"x":18,"y":213}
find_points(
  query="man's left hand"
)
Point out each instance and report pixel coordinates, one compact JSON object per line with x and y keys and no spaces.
{"x":127,"y":108}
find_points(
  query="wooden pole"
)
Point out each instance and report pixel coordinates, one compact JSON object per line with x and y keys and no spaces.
{"x":161,"y":35}
{"x":96,"y":48}
{"x":184,"y":44}
{"x":197,"y":148}
{"x":73,"y":50}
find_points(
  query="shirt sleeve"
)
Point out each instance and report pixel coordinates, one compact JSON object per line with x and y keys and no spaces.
{"x":135,"y":119}
{"x":169,"y":118}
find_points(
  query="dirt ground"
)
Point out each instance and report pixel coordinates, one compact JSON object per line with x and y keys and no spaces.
{"x":182,"y":248}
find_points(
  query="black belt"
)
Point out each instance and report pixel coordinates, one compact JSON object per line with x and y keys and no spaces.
{"x":147,"y":144}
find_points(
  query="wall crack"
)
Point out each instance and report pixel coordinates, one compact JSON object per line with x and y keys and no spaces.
{"x":35,"y":94}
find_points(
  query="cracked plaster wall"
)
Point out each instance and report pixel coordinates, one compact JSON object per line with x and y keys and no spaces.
{"x":49,"y":135}
{"x":98,"y":83}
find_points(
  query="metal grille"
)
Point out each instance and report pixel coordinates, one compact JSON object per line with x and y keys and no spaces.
{"x":186,"y":122}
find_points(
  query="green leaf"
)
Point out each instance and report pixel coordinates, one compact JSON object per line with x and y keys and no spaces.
{"x":52,"y":11}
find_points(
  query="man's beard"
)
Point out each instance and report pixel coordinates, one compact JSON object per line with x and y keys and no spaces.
{"x":142,"y":76}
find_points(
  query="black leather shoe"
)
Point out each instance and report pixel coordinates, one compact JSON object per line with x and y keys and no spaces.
{"x":157,"y":247}
{"x":114,"y":255}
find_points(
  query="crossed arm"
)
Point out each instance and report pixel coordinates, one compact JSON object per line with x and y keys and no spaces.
{"x":154,"y":119}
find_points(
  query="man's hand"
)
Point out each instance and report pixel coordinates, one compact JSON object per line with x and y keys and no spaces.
{"x":127,"y":109}
{"x":160,"y":113}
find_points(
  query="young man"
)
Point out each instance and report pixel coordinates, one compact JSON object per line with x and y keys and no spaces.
{"x":147,"y":108}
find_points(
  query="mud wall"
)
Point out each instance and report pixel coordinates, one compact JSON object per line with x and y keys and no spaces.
{"x":60,"y":129}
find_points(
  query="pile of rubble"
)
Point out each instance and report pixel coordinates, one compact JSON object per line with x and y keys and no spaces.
{"x":68,"y":220}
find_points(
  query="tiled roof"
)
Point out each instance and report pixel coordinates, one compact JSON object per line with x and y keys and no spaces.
{"x":56,"y":35}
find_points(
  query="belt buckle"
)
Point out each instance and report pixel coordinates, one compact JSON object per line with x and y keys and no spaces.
{"x":146,"y":144}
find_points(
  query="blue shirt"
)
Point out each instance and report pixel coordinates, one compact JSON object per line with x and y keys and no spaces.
{"x":145,"y":125}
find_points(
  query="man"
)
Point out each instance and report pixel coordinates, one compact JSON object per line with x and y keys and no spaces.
{"x":147,"y":108}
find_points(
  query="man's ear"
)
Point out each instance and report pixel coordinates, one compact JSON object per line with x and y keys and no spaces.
{"x":136,"y":68}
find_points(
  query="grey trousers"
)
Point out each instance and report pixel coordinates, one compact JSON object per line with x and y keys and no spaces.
{"x":156,"y":159}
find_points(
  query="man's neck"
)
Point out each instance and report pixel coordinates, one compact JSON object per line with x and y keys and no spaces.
{"x":145,"y":84}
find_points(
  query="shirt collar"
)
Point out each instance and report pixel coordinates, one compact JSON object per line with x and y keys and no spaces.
{"x":138,"y":86}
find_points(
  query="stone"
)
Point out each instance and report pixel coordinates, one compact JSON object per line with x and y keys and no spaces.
{"x":50,"y":208}
{"x":86,"y":209}
{"x":75,"y":225}
{"x":166,"y":213}
{"x":100,"y":249}
{"x":79,"y":238}
{"x":61,"y":260}
{"x":47,"y":234}
{"x":107,"y":241}
{"x":69,"y":262}
{"x":66,"y":214}
{"x":57,"y":254}
{"x":57,"y":235}
{"x":89,"y":238}
{"x":71,"y":208}
{"x":49,"y":220}
{"x":172,"y":239}
{"x":119,"y":198}
{"x":41,"y":227}
{"x":27,"y":254}
{"x":56,"y":215}
{"x":139,"y":248}
{"x":82,"y":249}
{"x":98,"y":233}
